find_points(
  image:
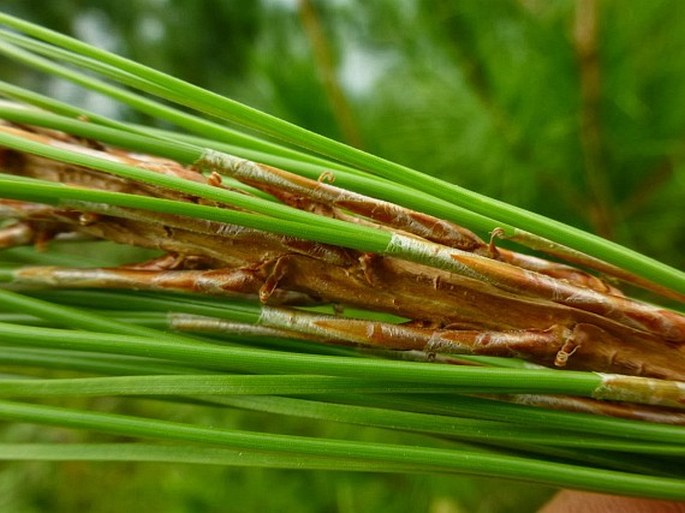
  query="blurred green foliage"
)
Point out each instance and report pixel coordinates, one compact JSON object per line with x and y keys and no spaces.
{"x":574,"y":109}
{"x":570,"y":108}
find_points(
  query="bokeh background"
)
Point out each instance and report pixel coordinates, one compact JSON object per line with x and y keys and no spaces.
{"x":571,"y":108}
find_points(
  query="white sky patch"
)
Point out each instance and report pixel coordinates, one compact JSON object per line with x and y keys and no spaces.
{"x":360,"y":69}
{"x":92,"y":27}
{"x":88,"y":100}
{"x":151,"y":28}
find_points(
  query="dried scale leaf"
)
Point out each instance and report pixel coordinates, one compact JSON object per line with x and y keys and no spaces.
{"x":326,"y":199}
{"x":502,"y":303}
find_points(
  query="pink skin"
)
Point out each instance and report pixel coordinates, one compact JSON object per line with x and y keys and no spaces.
{"x":568,"y":501}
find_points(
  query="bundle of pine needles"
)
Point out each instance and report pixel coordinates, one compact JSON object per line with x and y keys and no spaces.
{"x":304,"y":277}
